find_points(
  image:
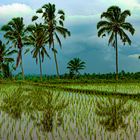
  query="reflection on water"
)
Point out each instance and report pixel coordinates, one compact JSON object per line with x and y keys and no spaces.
{"x":39,"y":114}
{"x":113,"y":112}
{"x":38,"y":105}
{"x":51,"y":108}
{"x":13,"y":104}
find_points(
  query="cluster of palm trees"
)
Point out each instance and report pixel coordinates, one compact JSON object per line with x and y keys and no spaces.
{"x":37,"y":35}
{"x":47,"y":32}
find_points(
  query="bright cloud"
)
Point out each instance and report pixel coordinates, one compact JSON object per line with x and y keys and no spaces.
{"x":127,"y":3}
{"x":135,"y":56}
{"x":14,"y":10}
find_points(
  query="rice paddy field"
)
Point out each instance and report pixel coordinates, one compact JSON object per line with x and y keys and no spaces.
{"x":129,"y":88}
{"x":68,"y":112}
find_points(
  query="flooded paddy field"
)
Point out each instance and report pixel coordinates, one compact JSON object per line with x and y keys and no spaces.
{"x":41,"y":113}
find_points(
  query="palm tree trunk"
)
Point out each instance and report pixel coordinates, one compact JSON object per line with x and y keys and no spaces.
{"x":40,"y":64}
{"x":56,"y":63}
{"x":116,"y":47}
{"x":21,"y":65}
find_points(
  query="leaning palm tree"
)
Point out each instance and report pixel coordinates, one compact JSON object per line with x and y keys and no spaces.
{"x":5,"y":59}
{"x":115,"y":25}
{"x":55,"y":25}
{"x":37,"y":37}
{"x":75,"y":65}
{"x":14,"y":32}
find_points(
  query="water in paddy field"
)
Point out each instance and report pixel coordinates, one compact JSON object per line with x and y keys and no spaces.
{"x":29,"y":113}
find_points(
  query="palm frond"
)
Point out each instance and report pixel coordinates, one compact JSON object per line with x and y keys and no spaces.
{"x":124,"y":15}
{"x":124,"y":37}
{"x":34,"y":18}
{"x":61,"y":12}
{"x":128,"y":26}
{"x":103,"y":23}
{"x":111,"y":38}
{"x":39,"y":11}
{"x":103,"y":31}
{"x":58,"y":40}
{"x":108,"y":16}
{"x":12,"y":52}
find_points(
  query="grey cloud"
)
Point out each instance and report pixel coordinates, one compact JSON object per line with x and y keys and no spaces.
{"x":81,"y":20}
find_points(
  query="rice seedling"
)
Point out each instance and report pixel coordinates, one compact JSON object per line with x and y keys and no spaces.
{"x":45,"y":113}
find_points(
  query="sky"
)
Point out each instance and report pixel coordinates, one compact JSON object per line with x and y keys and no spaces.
{"x":81,"y":19}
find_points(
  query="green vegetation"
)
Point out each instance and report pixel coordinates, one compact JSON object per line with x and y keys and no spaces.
{"x":47,"y":34}
{"x":115,"y":25}
{"x":15,"y":33}
{"x":112,"y":113}
{"x":68,"y":106}
{"x":37,"y":37}
{"x":29,"y":112}
{"x":74,"y":66}
{"x":54,"y":21}
{"x":6,"y":59}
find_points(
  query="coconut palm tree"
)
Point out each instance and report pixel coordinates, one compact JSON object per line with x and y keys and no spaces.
{"x":14,"y":32}
{"x":75,"y":65}
{"x":37,"y":37}
{"x":115,"y":25}
{"x":55,"y":25}
{"x":5,"y":59}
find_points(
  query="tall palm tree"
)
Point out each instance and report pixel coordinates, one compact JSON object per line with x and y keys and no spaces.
{"x":115,"y":25}
{"x":5,"y":59}
{"x":14,"y":32}
{"x":37,"y":37}
{"x":75,"y":65}
{"x":55,"y":25}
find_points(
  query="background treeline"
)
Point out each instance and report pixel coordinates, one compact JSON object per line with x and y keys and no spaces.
{"x":86,"y":77}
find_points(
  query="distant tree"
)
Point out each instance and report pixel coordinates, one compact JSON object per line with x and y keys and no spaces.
{"x":115,"y":25}
{"x":37,"y":37}
{"x":15,"y":32}
{"x":55,"y":25}
{"x":75,"y":65}
{"x":5,"y":59}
